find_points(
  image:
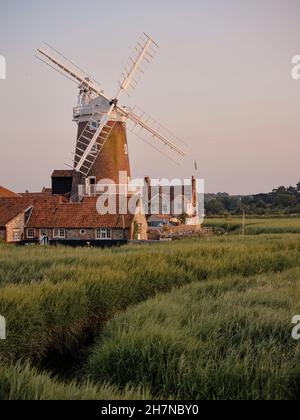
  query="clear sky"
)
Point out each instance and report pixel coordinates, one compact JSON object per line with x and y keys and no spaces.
{"x":221,"y":81}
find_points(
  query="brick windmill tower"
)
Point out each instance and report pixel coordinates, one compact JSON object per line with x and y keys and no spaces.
{"x":101,"y":150}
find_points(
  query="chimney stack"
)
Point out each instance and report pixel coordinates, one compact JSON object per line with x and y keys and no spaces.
{"x":148,"y":186}
{"x":194,"y":194}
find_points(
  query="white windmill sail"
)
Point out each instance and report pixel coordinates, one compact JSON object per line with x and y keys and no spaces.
{"x":91,"y":141}
{"x":68,"y":69}
{"x":100,"y":125}
{"x":90,"y":144}
{"x":141,"y":57}
{"x":155,"y":134}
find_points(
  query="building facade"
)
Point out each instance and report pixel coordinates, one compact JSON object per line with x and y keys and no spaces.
{"x":50,"y":218}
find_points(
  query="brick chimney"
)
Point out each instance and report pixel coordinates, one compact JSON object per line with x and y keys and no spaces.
{"x":148,"y":186}
{"x":194,"y":194}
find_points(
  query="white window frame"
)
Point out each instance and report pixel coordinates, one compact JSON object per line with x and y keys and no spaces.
{"x":19,"y":233}
{"x":90,"y":187}
{"x":57,"y":233}
{"x":103,"y":234}
{"x":33,"y":233}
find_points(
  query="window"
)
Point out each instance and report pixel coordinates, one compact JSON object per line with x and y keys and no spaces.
{"x":44,"y":232}
{"x":92,"y":180}
{"x":17,"y":235}
{"x":125,"y":149}
{"x":30,"y":233}
{"x":82,"y":232}
{"x":90,"y":185}
{"x":94,"y":125}
{"x":59,"y":233}
{"x":103,"y":234}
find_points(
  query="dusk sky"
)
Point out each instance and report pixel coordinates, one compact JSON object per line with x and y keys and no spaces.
{"x":221,"y":81}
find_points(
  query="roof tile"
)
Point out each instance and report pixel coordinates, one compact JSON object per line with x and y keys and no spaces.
{"x":56,"y":211}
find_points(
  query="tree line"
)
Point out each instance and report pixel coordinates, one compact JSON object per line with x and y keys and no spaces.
{"x":281,"y":201}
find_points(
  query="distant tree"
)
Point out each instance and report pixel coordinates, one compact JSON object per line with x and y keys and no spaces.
{"x":261,"y":204}
{"x":222,"y":194}
{"x":281,"y":190}
{"x":281,"y":200}
{"x":292,"y":190}
{"x":215,"y":207}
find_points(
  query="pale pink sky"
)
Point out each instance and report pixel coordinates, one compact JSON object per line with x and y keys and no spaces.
{"x":221,"y":81}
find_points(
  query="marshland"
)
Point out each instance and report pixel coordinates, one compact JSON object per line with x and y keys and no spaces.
{"x":207,"y":318}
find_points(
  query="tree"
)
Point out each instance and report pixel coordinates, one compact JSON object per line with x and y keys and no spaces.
{"x":215,"y":207}
{"x":280,"y":200}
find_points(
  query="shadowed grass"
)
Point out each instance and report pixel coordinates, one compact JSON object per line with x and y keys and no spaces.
{"x":224,"y":339}
{"x":56,"y":299}
{"x":24,"y":383}
{"x":226,"y":335}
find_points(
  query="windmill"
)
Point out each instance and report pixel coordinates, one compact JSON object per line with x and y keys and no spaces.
{"x":101,"y":147}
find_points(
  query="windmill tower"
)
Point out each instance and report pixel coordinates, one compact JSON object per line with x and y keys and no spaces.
{"x":101,"y":150}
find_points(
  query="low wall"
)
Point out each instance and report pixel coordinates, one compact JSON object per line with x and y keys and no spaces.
{"x":80,"y":243}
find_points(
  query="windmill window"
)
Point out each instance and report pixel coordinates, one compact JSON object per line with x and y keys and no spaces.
{"x":94,"y":125}
{"x":59,"y":233}
{"x":30,"y":233}
{"x":103,"y":234}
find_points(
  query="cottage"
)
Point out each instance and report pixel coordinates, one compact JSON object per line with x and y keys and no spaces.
{"x":40,"y":217}
{"x":79,"y":223}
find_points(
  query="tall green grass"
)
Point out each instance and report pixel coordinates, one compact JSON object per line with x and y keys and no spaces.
{"x":228,"y":338}
{"x":24,"y":383}
{"x":57,"y":299}
{"x":255,"y":226}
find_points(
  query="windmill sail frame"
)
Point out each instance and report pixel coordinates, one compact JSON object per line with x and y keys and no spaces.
{"x":139,"y":123}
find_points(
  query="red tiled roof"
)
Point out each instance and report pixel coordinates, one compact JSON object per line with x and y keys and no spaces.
{"x":5,"y":193}
{"x":47,"y":190}
{"x":56,"y":211}
{"x":75,"y":215}
{"x":11,"y":207}
{"x":36,"y":195}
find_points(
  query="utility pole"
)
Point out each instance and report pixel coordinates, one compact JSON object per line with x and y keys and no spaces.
{"x":244,"y":223}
